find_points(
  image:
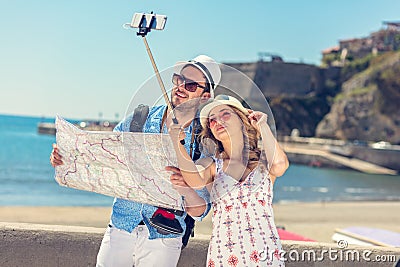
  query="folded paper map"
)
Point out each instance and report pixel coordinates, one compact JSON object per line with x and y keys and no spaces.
{"x":120,"y":164}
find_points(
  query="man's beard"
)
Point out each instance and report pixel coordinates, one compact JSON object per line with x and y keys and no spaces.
{"x":188,"y":105}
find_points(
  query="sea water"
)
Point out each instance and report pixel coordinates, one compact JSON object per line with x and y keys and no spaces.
{"x":27,"y":178}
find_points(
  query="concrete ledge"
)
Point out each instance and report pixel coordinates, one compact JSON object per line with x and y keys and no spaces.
{"x":48,"y":245}
{"x":51,"y":245}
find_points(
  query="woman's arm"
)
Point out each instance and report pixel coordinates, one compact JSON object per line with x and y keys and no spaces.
{"x":273,"y":150}
{"x":276,"y":157}
{"x":192,"y":176}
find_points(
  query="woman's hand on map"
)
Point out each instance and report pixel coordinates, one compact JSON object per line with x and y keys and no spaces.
{"x":55,"y":157}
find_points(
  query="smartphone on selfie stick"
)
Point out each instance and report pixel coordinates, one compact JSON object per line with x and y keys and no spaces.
{"x":145,"y":23}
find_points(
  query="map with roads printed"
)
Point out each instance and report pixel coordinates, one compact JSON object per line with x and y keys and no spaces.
{"x":119,"y":164}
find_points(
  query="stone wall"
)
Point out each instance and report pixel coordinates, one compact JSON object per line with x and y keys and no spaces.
{"x":44,"y":245}
{"x":284,"y":79}
{"x":290,"y":79}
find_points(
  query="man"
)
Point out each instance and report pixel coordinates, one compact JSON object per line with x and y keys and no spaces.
{"x":130,"y":240}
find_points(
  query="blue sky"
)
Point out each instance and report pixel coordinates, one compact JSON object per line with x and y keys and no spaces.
{"x":75,"y":59}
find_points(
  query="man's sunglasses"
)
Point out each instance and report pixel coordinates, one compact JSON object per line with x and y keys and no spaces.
{"x":189,"y":85}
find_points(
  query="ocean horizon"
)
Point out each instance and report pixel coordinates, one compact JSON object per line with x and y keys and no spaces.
{"x":27,"y":178}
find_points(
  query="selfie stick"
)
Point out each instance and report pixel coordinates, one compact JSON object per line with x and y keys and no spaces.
{"x":144,"y":28}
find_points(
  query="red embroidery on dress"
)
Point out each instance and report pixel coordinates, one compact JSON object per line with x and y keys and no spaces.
{"x":262,"y":202}
{"x":211,"y":263}
{"x":228,"y":208}
{"x":255,"y":256}
{"x":233,"y":260}
{"x":277,"y":255}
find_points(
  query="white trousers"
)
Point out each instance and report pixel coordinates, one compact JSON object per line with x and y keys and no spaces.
{"x":122,"y":249}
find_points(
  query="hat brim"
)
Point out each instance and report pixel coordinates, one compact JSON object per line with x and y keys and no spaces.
{"x":211,"y":104}
{"x":181,"y":64}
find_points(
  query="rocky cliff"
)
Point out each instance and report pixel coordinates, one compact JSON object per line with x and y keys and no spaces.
{"x":301,"y":113}
{"x":368,"y":105}
{"x":297,"y":93}
{"x":359,"y":101}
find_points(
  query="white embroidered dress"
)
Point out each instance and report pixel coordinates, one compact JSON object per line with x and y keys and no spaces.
{"x":244,"y":232}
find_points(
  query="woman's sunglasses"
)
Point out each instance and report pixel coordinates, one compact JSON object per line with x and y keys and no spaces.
{"x":189,"y":85}
{"x":224,"y":115}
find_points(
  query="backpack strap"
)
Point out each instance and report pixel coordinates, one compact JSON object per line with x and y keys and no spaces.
{"x":139,"y":118}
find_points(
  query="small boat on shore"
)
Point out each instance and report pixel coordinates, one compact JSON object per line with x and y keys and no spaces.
{"x":46,"y":128}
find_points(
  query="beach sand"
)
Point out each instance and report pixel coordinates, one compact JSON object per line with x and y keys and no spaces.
{"x":313,"y":220}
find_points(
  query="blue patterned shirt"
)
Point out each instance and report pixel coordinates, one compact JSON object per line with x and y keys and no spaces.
{"x":127,"y":214}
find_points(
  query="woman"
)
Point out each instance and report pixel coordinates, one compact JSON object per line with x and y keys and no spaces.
{"x":240,"y":181}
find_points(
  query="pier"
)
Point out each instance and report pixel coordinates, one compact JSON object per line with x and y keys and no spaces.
{"x":321,"y":152}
